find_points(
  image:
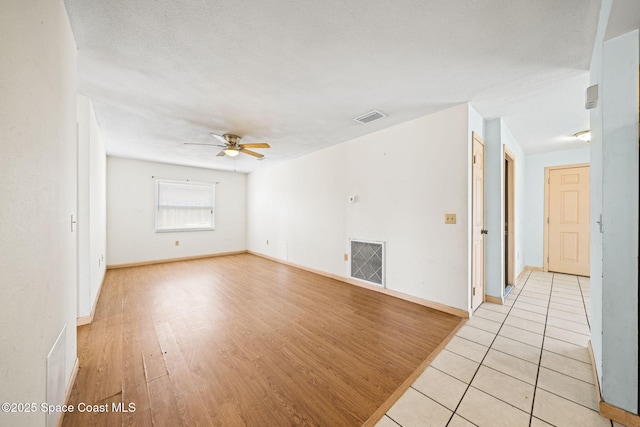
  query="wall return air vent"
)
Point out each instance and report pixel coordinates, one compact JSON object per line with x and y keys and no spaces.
{"x":367,"y":261}
{"x":370,"y":117}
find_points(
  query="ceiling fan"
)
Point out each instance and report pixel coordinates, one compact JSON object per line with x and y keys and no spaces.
{"x":232,"y":146}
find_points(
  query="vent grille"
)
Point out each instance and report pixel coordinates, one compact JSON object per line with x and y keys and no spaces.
{"x":591,"y":100}
{"x":370,"y":117}
{"x":367,"y":261}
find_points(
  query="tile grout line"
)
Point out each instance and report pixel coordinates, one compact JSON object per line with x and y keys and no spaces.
{"x":388,"y":416}
{"x":547,"y":316}
{"x":438,"y":403}
{"x":553,"y":326}
{"x":562,"y":373}
{"x":485,"y":356}
{"x":583,"y":303}
{"x":530,"y":345}
{"x":544,"y":335}
{"x":563,"y":355}
{"x":570,"y":321}
{"x":554,"y":317}
{"x":586,"y":313}
{"x":433,"y":400}
{"x":568,"y":400}
{"x":500,"y":372}
{"x":567,"y":375}
{"x":490,"y":346}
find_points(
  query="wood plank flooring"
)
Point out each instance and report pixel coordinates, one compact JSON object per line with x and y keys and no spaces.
{"x":241,"y":340}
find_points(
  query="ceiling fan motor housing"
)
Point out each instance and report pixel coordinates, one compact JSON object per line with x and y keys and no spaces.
{"x":231,"y":139}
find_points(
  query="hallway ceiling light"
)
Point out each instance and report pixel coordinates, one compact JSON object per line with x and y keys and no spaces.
{"x":584,"y":135}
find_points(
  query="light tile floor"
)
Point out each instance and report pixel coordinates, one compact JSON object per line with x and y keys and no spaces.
{"x":524,"y":363}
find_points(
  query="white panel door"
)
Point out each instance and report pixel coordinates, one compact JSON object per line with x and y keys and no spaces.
{"x":568,"y":219}
{"x":477,"y":229}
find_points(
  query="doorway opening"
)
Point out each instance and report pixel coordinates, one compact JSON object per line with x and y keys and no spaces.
{"x":509,"y":220}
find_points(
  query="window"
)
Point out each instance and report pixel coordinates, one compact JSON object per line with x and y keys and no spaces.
{"x":184,"y":206}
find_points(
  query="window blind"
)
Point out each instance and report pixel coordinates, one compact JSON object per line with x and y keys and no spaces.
{"x":183,"y":206}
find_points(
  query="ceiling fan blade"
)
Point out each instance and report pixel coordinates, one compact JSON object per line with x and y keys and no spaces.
{"x":220,"y":154}
{"x":219,"y":138}
{"x":203,"y":143}
{"x":261,"y":145}
{"x":251,"y":153}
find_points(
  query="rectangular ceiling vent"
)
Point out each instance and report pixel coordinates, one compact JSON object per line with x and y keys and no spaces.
{"x":367,"y":261}
{"x":370,"y":117}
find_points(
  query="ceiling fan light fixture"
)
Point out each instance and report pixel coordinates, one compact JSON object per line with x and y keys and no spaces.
{"x":584,"y":135}
{"x":231,"y":152}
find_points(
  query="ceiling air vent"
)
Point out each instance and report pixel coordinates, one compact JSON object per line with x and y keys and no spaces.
{"x":370,"y":117}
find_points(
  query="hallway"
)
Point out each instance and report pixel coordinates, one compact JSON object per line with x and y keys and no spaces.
{"x":524,"y":363}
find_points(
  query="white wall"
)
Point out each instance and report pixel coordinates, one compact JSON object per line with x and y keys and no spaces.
{"x":405,"y":177}
{"x":83,"y":226}
{"x":595,"y":192}
{"x":620,"y":171}
{"x":92,"y":207}
{"x":131,"y":235}
{"x":97,"y":207}
{"x":493,"y":203}
{"x":38,"y":196}
{"x":498,"y":135}
{"x":534,"y":188}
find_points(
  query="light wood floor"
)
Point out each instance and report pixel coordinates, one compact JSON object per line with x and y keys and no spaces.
{"x":241,"y":340}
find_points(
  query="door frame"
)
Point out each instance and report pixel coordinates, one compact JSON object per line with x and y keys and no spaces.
{"x":510,"y":215}
{"x":547,"y":171}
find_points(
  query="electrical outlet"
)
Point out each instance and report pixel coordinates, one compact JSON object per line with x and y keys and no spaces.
{"x":449,"y":218}
{"x":177,"y":242}
{"x":346,"y":257}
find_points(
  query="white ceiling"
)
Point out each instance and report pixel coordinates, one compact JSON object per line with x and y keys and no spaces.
{"x":294,"y":73}
{"x":624,"y":17}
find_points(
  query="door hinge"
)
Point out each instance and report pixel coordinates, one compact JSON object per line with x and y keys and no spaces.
{"x":474,"y":291}
{"x":474,"y":159}
{"x":547,"y":260}
{"x":547,"y":220}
